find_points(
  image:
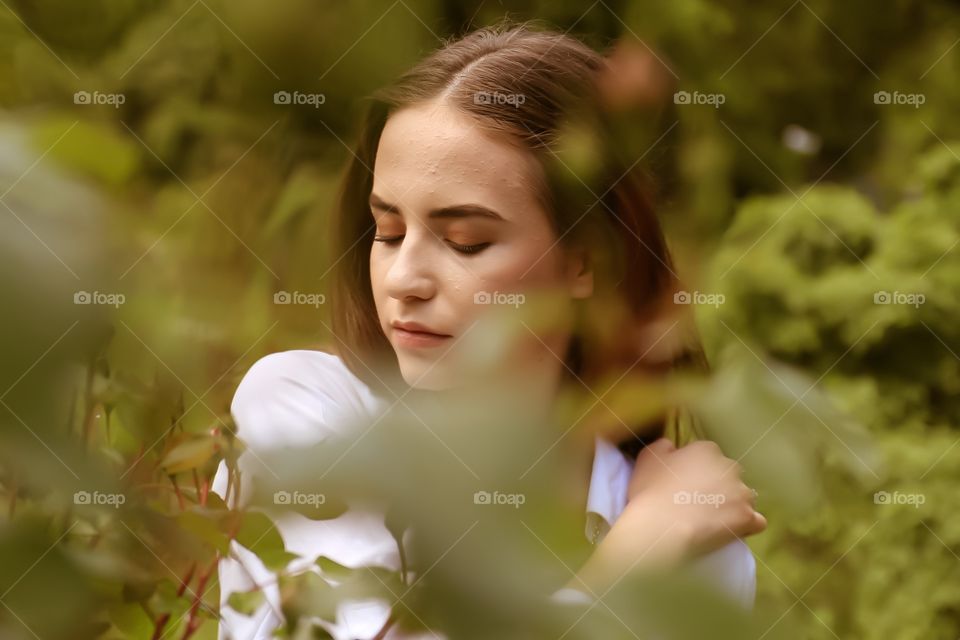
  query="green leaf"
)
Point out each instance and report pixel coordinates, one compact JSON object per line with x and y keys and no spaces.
{"x":189,"y":455}
{"x":306,"y":595}
{"x":91,"y":148}
{"x":259,"y":534}
{"x":205,"y":526}
{"x":246,"y":602}
{"x":333,"y":568}
{"x":132,"y":620}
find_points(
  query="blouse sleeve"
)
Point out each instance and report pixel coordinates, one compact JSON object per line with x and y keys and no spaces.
{"x":287,"y":399}
{"x":731,"y":569}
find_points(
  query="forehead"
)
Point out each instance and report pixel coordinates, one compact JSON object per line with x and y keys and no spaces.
{"x":434,"y":155}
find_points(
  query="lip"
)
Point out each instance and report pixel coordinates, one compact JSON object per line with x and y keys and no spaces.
{"x":414,"y":334}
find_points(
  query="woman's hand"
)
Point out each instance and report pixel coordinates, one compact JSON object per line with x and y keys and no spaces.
{"x":695,"y":488}
{"x":681,"y":503}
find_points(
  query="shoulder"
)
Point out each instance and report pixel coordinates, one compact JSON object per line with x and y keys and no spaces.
{"x":298,"y":397}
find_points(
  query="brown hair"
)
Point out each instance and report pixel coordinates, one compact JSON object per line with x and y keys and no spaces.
{"x":605,"y":208}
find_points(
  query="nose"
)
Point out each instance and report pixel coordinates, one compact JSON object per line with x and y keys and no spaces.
{"x":410,"y":275}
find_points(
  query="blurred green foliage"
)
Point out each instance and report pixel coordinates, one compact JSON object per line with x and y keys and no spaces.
{"x":143,"y":155}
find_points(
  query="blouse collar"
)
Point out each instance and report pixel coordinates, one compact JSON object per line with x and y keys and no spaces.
{"x":607,"y":496}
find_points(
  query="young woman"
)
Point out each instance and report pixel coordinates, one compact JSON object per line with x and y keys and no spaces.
{"x":455,"y":198}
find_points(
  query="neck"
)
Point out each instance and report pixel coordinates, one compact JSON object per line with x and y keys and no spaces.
{"x":528,"y":392}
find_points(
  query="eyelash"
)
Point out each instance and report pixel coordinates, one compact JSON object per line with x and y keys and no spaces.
{"x":462,"y":248}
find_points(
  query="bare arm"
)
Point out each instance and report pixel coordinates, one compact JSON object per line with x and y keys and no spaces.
{"x":682,"y":503}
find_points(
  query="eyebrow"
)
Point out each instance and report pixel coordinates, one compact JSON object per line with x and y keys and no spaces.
{"x":454,"y":211}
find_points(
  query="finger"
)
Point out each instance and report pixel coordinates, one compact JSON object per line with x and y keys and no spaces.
{"x":657,"y":449}
{"x":665,"y":445}
{"x":735,"y":467}
{"x":707,"y":445}
{"x":654,"y":453}
{"x":759,"y":522}
{"x":728,"y":468}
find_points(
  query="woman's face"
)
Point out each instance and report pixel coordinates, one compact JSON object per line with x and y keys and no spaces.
{"x":460,"y":236}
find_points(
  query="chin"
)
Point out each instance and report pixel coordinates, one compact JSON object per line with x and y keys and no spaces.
{"x":426,"y":376}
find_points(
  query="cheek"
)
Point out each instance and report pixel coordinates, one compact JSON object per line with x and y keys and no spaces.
{"x":378,"y":270}
{"x":531,"y":263}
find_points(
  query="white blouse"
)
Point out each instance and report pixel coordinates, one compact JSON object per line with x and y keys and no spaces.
{"x":298,"y":398}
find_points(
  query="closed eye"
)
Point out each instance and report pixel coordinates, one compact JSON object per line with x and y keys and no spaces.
{"x":469,"y":248}
{"x":461,"y":248}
